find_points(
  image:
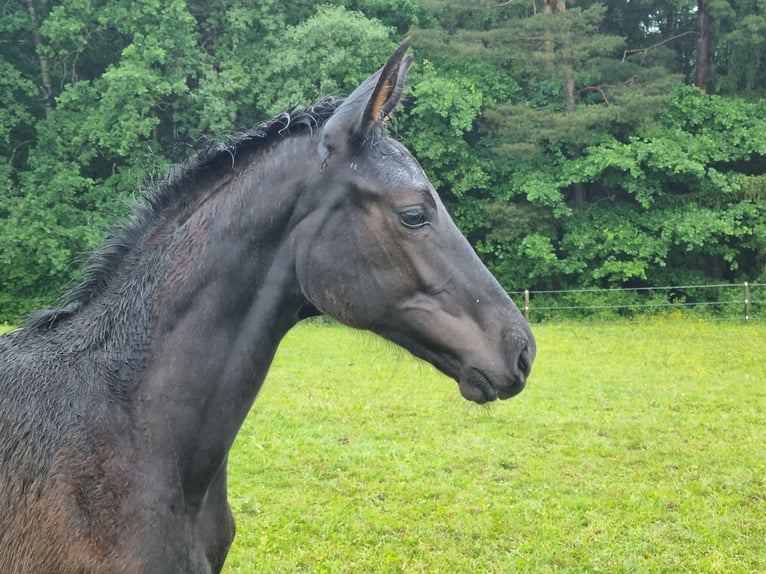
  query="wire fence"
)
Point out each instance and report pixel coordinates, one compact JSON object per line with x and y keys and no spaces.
{"x":746,"y":301}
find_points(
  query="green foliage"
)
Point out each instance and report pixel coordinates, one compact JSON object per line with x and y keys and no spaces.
{"x":564,"y":142}
{"x":306,"y":63}
{"x":128,"y":80}
{"x":399,"y":14}
{"x":657,"y":205}
{"x":14,"y":115}
{"x":741,"y":45}
{"x":443,"y":111}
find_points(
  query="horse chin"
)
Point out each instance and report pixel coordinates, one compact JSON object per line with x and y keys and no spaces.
{"x":475,"y":386}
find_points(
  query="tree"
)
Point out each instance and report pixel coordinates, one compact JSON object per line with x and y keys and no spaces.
{"x":100,"y":97}
{"x":306,"y":62}
{"x":739,"y":29}
{"x":587,"y":98}
{"x":567,"y":139}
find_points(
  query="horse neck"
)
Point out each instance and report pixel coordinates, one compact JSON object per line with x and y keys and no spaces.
{"x":226,"y":299}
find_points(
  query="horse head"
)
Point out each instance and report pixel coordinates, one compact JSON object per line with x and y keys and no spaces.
{"x":380,"y":252}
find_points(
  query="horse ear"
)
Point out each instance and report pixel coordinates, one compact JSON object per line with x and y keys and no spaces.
{"x":388,"y":88}
{"x":370,"y":103}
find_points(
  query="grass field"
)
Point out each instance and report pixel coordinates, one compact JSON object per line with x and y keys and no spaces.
{"x":637,"y":447}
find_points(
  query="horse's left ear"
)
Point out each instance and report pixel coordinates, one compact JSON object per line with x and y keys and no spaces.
{"x":370,"y":103}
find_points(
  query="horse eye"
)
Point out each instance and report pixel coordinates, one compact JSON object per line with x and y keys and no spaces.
{"x":413,"y":218}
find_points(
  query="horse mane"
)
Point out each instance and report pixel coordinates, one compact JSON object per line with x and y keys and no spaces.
{"x":170,"y":193}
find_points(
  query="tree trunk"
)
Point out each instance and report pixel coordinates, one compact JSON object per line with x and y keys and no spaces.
{"x":569,"y":87}
{"x":703,"y":46}
{"x":551,"y":7}
{"x":45,"y":73}
{"x":549,"y":48}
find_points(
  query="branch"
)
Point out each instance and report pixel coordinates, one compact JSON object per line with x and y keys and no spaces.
{"x":508,"y":3}
{"x":600,"y":89}
{"x":646,"y":50}
{"x":17,"y":149}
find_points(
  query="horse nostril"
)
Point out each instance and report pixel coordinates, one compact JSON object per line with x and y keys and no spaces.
{"x":524,"y":362}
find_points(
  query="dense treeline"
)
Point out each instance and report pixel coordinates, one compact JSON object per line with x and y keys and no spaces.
{"x":578,"y":144}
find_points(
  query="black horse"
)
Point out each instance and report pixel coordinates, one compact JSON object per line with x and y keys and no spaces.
{"x":117,"y":411}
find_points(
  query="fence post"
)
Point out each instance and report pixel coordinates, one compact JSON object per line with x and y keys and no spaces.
{"x":747,"y":301}
{"x":526,"y":304}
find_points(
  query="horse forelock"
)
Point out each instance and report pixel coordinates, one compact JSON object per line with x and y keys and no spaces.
{"x":171,"y":194}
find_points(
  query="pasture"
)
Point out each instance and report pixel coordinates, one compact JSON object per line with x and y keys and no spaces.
{"x":636,"y":447}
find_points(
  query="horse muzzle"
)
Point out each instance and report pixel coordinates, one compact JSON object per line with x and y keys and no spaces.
{"x":482,"y":385}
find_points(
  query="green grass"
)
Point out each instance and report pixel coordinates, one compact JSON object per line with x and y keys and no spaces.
{"x":637,"y":447}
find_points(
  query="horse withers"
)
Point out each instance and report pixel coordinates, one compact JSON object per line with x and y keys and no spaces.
{"x":118,"y":410}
